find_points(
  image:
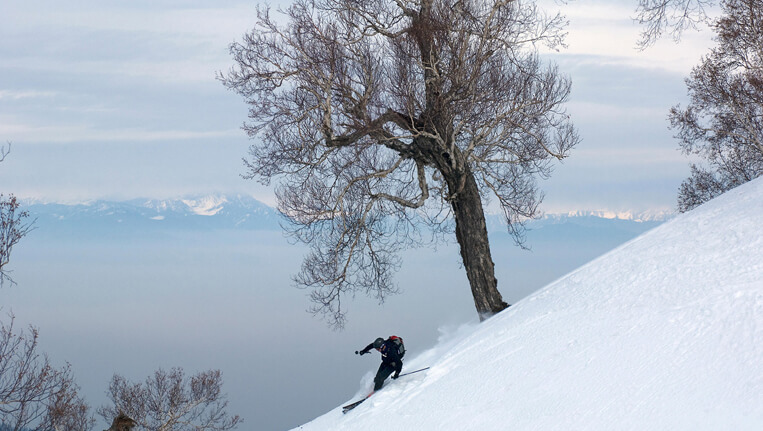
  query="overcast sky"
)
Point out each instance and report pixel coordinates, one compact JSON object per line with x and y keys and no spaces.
{"x":118,"y":99}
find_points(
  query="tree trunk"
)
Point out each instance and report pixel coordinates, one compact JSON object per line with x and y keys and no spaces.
{"x":471,"y":232}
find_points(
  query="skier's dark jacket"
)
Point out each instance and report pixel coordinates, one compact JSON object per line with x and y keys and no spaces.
{"x":388,"y":352}
{"x":391,"y":362}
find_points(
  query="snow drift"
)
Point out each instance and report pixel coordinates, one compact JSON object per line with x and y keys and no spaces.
{"x":664,"y":332}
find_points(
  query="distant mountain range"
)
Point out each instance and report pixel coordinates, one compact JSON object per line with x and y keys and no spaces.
{"x":196,"y":213}
{"x":642,"y":216}
{"x":241,"y":212}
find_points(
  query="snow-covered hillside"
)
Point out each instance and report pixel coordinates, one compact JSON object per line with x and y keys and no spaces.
{"x":663,"y":333}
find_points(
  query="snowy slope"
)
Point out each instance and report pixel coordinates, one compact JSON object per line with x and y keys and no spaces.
{"x":663,"y":333}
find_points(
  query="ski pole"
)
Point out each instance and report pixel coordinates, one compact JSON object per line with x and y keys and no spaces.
{"x":412,"y":372}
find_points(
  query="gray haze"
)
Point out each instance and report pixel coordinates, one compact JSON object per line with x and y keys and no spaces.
{"x":115,"y":299}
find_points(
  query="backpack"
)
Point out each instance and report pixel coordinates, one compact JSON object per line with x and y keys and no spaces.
{"x":399,"y":344}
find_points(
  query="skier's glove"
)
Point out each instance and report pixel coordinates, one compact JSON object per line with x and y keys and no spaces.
{"x":396,"y":376}
{"x":361,"y":353}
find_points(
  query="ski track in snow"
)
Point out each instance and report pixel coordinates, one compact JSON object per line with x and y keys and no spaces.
{"x":663,"y":332}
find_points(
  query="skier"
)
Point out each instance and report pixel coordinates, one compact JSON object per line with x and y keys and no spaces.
{"x":392,"y":352}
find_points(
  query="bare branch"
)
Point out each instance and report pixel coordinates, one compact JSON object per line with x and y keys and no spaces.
{"x":381,"y":117}
{"x":672,"y":16}
{"x":169,"y":400}
{"x":13,"y":227}
{"x":723,"y":122}
{"x":4,"y":152}
{"x":33,"y":393}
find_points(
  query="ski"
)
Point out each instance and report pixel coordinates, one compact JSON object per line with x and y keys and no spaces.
{"x":349,"y":407}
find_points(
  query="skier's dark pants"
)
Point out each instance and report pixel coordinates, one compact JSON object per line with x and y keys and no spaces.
{"x":384,"y":371}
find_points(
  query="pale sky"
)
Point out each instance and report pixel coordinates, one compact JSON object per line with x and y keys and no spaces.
{"x":119,"y":100}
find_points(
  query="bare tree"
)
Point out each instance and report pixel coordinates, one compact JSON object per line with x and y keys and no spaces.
{"x":381,"y":117}
{"x":34,"y":395}
{"x":169,"y":401}
{"x":13,"y":226}
{"x":672,"y":16}
{"x":723,"y":122}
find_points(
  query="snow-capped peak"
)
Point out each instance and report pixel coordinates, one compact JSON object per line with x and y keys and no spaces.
{"x":637,"y":216}
{"x":207,"y":205}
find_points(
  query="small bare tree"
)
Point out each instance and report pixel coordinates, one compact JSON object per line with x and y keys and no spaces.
{"x":380,"y":117}
{"x":34,"y":395}
{"x":13,"y":226}
{"x":68,"y":411}
{"x":169,"y":401}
